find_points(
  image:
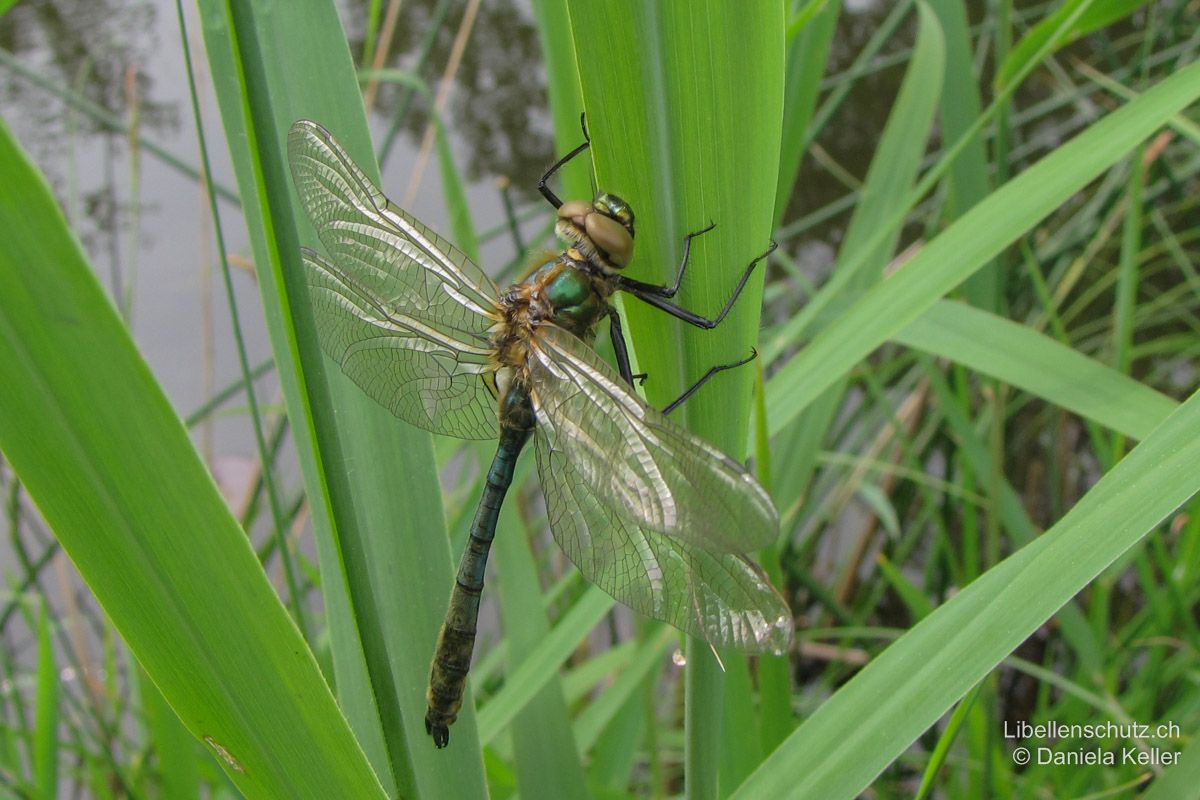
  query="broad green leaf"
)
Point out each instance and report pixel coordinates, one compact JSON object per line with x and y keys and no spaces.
{"x":371,"y":481}
{"x":685,"y":109}
{"x":110,"y":466}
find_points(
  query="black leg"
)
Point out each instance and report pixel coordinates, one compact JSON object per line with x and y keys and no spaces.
{"x":619,"y":349}
{"x":543,"y":186}
{"x":690,"y":317}
{"x":705,"y":378}
{"x":630,"y":285}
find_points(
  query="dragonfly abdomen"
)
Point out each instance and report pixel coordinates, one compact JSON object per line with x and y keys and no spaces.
{"x":456,"y":641}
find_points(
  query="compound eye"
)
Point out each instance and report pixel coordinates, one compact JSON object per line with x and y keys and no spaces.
{"x":615,"y":208}
{"x":610,"y":236}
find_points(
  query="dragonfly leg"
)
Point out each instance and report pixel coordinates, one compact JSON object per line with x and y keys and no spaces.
{"x":630,"y":285}
{"x":620,"y":349}
{"x":691,"y":390}
{"x":543,"y":184}
{"x":654,"y":295}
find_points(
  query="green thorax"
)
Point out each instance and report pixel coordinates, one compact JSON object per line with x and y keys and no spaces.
{"x":570,"y":296}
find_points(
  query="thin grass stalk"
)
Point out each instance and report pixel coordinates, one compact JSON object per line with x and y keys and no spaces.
{"x":1125,"y":300}
{"x":45,"y":741}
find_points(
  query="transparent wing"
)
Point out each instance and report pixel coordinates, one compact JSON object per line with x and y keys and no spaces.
{"x":398,"y":260}
{"x":636,"y":461}
{"x":414,"y":370}
{"x":723,"y":598}
{"x":402,"y":310}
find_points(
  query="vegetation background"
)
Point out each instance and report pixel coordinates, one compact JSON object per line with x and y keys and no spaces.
{"x":975,"y":404}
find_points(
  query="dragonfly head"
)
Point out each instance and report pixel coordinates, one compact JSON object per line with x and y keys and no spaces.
{"x":602,"y":231}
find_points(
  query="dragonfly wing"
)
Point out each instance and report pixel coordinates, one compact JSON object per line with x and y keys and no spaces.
{"x":723,"y":598}
{"x":386,"y":251}
{"x":638,"y":462}
{"x":417,"y":372}
{"x":411,"y":312}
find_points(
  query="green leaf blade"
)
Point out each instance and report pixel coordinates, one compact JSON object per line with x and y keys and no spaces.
{"x":89,"y":433}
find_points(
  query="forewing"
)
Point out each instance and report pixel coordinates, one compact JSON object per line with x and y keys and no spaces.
{"x":636,"y":461}
{"x":387,"y":254}
{"x":419,"y":373}
{"x":723,"y":598}
{"x":404,"y":312}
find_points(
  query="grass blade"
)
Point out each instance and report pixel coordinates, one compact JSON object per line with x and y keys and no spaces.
{"x":1023,"y":357}
{"x":45,"y":744}
{"x":968,"y":180}
{"x":970,"y":243}
{"x":541,"y":665}
{"x":873,"y":718}
{"x":807,"y":57}
{"x":1098,"y":14}
{"x":542,"y":731}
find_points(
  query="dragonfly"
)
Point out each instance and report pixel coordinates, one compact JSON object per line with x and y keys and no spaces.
{"x":650,"y":513}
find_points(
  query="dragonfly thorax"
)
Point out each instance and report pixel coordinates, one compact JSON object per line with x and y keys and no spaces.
{"x":562,"y":291}
{"x":602,"y":232}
